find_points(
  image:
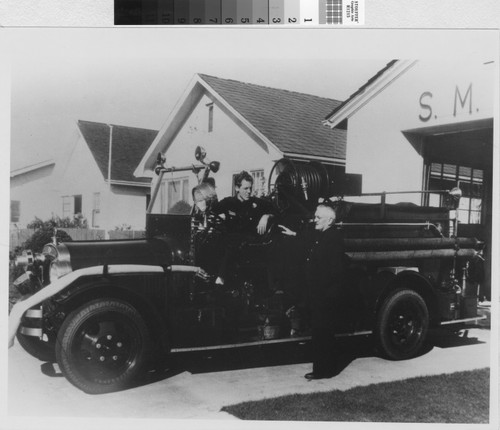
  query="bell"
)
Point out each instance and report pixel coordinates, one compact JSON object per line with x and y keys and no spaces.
{"x":200,"y":153}
{"x":214,"y":166}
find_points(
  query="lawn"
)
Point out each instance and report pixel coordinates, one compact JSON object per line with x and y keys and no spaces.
{"x":461,"y":397}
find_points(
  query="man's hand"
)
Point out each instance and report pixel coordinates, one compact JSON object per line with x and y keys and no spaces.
{"x":286,"y":231}
{"x":262,"y":227}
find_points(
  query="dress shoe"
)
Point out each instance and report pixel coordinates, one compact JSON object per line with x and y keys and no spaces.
{"x":310,"y":376}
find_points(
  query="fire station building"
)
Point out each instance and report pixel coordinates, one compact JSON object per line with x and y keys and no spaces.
{"x":426,"y":125}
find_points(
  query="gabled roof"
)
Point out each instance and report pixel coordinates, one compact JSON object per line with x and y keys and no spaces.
{"x":128,"y":147}
{"x":32,"y":168}
{"x":287,"y":120}
{"x":377,"y":83}
{"x":290,"y":120}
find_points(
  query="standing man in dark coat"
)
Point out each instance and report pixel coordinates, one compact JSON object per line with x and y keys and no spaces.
{"x":325,"y":272}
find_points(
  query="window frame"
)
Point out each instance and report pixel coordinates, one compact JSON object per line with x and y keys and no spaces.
{"x":18,"y":204}
{"x":165,"y":197}
{"x":96,"y":209}
{"x":472,"y":178}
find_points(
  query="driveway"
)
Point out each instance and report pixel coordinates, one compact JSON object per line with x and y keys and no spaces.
{"x":198,"y":386}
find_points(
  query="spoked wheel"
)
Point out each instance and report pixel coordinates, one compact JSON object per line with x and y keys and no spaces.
{"x":402,"y":325}
{"x":102,"y":346}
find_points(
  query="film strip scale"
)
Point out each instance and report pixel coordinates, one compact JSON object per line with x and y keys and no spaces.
{"x":238,"y":12}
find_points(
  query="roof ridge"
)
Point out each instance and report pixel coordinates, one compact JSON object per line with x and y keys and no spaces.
{"x":117,"y":125}
{"x":202,"y":75}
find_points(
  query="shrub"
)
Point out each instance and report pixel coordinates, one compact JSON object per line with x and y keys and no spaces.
{"x":123,"y":227}
{"x":44,"y":235}
{"x":180,"y":208}
{"x":78,"y":221}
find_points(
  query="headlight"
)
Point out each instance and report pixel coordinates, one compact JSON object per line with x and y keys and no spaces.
{"x":60,"y":260}
{"x":58,"y":269}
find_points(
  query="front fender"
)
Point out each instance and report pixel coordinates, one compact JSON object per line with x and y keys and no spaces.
{"x":64,"y":282}
{"x":412,"y":280}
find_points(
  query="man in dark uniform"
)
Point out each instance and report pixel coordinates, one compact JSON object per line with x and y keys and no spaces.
{"x":325,"y":272}
{"x":245,"y":217}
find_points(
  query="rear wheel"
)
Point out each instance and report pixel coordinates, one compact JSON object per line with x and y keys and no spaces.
{"x":402,"y":325}
{"x":102,"y":346}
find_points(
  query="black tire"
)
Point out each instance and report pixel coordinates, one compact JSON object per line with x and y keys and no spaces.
{"x":102,"y":346}
{"x":42,"y":349}
{"x":402,"y":325}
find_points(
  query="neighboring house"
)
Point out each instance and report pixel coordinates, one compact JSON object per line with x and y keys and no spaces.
{"x":426,"y":125}
{"x":244,"y":127}
{"x":97,"y":180}
{"x":31,"y":193}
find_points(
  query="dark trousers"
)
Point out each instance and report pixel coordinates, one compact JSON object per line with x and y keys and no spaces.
{"x":324,"y":351}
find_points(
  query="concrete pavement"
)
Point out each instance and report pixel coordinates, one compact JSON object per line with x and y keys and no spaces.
{"x":195,"y":394}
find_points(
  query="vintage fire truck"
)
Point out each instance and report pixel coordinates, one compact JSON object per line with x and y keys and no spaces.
{"x":105,"y":310}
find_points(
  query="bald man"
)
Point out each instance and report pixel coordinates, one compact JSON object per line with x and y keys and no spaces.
{"x":325,"y":272}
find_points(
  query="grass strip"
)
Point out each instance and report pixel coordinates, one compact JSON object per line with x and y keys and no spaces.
{"x":461,"y":397}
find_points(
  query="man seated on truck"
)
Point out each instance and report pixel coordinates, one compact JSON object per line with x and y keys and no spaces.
{"x":204,"y":198}
{"x":246,"y":217}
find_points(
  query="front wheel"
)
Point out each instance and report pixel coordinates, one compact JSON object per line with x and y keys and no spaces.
{"x":402,"y":325}
{"x":102,"y":346}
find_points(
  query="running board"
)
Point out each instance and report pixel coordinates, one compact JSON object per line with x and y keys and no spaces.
{"x":261,"y":342}
{"x":464,"y":320}
{"x":299,"y":338}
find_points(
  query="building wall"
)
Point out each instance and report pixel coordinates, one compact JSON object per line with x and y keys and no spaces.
{"x":35,"y":192}
{"x":235,"y":149}
{"x":127,"y":206}
{"x":118,"y":205}
{"x":430,"y":94}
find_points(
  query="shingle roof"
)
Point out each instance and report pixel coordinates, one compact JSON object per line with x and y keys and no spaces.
{"x":292,"y":121}
{"x":128,"y":148}
{"x":361,"y":89}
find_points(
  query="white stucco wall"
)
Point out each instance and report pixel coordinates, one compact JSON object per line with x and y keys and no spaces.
{"x":127,"y":205}
{"x":35,"y":192}
{"x":119,"y":205}
{"x":425,"y":96}
{"x":227,"y":143}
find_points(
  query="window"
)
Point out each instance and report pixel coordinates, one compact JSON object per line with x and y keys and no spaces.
{"x":67,"y":209}
{"x":71,"y":205}
{"x":443,"y":176}
{"x":210,"y":117}
{"x":96,"y":209}
{"x":15,"y":210}
{"x":78,"y":204}
{"x":175,"y":196}
{"x":259,"y":182}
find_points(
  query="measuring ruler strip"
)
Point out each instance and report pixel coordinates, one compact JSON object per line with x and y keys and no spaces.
{"x":239,"y":12}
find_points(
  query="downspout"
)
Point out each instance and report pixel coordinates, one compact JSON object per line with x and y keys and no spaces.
{"x":110,"y":153}
{"x":106,"y":234}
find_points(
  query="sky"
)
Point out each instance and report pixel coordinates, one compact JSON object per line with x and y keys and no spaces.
{"x":135,"y":78}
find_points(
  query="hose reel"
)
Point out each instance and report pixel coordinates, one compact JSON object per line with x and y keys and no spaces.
{"x":299,"y":183}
